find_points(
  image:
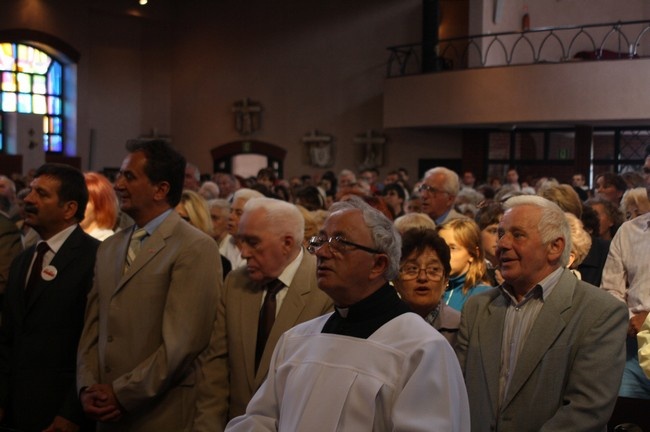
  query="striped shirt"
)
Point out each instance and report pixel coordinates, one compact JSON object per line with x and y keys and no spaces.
{"x":519,"y":320}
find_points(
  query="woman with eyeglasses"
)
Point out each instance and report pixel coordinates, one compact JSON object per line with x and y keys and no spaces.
{"x":468,"y":269}
{"x":423,"y":276}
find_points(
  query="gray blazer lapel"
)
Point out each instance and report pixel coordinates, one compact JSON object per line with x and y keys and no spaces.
{"x":548,"y":325}
{"x":490,"y":339}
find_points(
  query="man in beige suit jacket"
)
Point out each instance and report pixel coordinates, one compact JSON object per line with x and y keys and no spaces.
{"x":270,"y":233}
{"x":149,"y":318}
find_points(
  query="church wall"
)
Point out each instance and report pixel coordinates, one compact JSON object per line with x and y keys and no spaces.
{"x":311,"y":66}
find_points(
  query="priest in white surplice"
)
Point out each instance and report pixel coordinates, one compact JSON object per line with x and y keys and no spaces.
{"x":372,"y":365}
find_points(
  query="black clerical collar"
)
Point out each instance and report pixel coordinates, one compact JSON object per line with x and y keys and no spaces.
{"x":366,"y":316}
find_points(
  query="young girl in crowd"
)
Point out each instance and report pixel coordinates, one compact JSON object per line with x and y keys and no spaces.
{"x":468,"y":271}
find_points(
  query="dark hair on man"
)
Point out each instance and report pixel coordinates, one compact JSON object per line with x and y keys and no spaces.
{"x":489,"y":213}
{"x":72,"y":185}
{"x":394,"y":187}
{"x":268,"y":173}
{"x":310,"y":198}
{"x":611,"y":179}
{"x":418,"y":239}
{"x":590,"y":220}
{"x":164,"y":164}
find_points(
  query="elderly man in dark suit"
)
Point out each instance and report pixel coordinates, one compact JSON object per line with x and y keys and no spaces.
{"x":44,"y":307}
{"x":438,"y":192}
{"x":275,"y":291}
{"x":544,"y":351}
{"x":152,"y":306}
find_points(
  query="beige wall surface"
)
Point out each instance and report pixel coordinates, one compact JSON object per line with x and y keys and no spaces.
{"x":605,"y":92}
{"x":177,"y":68}
{"x":311,"y":65}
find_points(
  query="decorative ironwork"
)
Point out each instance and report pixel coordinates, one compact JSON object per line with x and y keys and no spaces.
{"x":607,"y":41}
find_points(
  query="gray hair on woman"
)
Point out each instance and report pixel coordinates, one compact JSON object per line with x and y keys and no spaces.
{"x":384,"y":235}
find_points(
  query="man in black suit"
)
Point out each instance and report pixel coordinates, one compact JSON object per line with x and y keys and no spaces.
{"x":44,"y":308}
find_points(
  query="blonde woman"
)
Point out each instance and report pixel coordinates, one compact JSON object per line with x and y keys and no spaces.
{"x":194,"y":209}
{"x":635,"y":202}
{"x":580,"y":243}
{"x":468,"y":269}
{"x":413,"y":220}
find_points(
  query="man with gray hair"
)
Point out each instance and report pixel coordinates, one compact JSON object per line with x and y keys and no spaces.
{"x":544,"y":351}
{"x":192,"y":179}
{"x":273,"y":292}
{"x":370,"y":365}
{"x":8,"y":190}
{"x":229,"y":247}
{"x":438,"y":192}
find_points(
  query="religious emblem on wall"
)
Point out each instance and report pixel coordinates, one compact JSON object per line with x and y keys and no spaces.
{"x":319,"y":148}
{"x":248,"y":116}
{"x":372,"y":148}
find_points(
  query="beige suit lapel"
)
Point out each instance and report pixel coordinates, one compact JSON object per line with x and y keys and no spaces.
{"x":251,"y":301}
{"x":290,"y":312}
{"x":151,"y":246}
{"x":549,"y":324}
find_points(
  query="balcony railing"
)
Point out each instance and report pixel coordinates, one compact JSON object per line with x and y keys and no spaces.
{"x":607,"y":41}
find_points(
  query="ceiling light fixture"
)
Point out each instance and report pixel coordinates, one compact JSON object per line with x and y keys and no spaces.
{"x":143,"y":2}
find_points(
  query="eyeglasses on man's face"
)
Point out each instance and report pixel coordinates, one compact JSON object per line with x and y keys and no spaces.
{"x":411,"y":271}
{"x":430,"y":189}
{"x":337,"y":244}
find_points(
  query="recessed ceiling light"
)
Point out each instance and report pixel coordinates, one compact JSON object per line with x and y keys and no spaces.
{"x":143,"y":2}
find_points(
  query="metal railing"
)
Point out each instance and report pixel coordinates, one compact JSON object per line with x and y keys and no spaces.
{"x":619,"y":40}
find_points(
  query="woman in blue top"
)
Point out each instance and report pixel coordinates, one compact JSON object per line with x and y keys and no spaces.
{"x":468,"y":270}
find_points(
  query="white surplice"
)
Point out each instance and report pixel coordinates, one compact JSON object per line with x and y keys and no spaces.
{"x":404,"y":377}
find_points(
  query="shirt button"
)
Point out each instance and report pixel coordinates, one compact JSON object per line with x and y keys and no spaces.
{"x":109,"y":338}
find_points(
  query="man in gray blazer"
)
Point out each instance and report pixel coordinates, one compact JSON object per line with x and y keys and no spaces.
{"x":438,"y":192}
{"x":270,"y":234}
{"x":151,"y":310}
{"x":544,"y":351}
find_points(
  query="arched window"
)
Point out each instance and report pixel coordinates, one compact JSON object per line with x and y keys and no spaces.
{"x":32,"y":83}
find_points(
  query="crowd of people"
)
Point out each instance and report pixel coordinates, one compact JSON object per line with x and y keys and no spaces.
{"x":163,"y":300}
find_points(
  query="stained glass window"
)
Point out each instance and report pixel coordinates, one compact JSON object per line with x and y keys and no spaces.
{"x":32,"y":82}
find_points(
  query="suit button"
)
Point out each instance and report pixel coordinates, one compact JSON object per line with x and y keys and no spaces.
{"x":107,"y":369}
{"x":109,"y":339}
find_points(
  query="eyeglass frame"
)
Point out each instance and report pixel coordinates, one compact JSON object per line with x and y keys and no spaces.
{"x":430,"y":189}
{"x":312,"y":249}
{"x":437,"y":278}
